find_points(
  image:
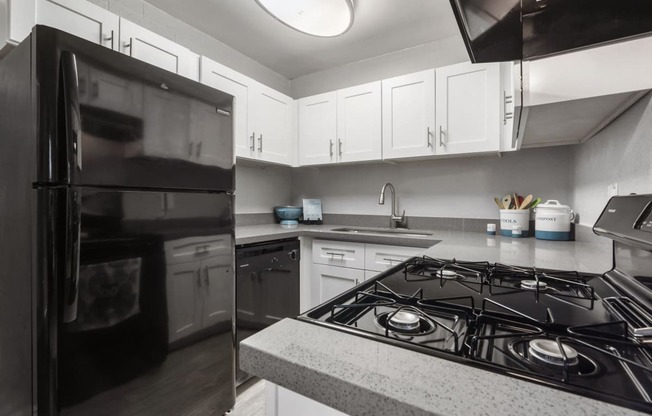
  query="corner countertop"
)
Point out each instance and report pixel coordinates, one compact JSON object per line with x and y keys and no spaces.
{"x":363,"y":377}
{"x":590,"y":257}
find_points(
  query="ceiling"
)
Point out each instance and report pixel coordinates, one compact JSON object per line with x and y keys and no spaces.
{"x":380,"y":27}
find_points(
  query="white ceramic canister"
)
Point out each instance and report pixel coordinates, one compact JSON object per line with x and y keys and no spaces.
{"x":553,"y":221}
{"x":511,"y":217}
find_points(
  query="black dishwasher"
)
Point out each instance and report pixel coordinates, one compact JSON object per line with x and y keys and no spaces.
{"x":267,"y":288}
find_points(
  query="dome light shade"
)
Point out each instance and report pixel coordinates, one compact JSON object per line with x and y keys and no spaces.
{"x":323,"y":18}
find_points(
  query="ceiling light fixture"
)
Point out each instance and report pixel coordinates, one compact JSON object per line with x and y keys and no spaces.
{"x":323,"y":18}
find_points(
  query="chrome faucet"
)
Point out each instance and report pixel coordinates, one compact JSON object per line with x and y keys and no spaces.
{"x":394,"y":220}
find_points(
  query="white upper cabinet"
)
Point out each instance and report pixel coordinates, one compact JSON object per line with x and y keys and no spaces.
{"x":409,"y":115}
{"x":154,"y":49}
{"x":225,"y":79}
{"x":16,"y":21}
{"x":468,"y":108}
{"x":318,"y":129}
{"x":270,"y":121}
{"x":80,"y":18}
{"x":359,"y":116}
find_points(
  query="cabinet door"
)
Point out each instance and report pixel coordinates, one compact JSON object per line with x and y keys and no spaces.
{"x":318,"y":129}
{"x":468,"y":108}
{"x":380,"y":257}
{"x":154,"y":49}
{"x":331,"y":281}
{"x":270,"y":121}
{"x":217,"y":286}
{"x":17,"y":17}
{"x":359,"y":123}
{"x":409,"y":115}
{"x":184,"y":300}
{"x":289,"y":403}
{"x":80,"y":18}
{"x":225,"y":79}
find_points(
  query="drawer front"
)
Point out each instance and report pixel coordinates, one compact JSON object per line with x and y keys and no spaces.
{"x":338,"y":253}
{"x":197,"y":248}
{"x":381,"y":257}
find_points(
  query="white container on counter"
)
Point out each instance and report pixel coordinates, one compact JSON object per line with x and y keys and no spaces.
{"x":553,"y":221}
{"x":511,"y":217}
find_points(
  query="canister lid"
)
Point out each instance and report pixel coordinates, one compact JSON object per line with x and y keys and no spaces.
{"x":553,"y":205}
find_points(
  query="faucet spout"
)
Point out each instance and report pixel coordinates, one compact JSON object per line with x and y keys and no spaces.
{"x":394,"y":218}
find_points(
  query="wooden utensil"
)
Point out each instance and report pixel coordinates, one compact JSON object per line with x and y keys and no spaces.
{"x":525,"y":202}
{"x":499,"y":203}
{"x":507,"y":201}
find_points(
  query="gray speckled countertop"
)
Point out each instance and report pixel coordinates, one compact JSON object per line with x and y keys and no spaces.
{"x":564,"y":255}
{"x":363,"y":377}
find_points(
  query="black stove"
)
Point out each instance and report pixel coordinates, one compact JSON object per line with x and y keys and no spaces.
{"x":584,"y":333}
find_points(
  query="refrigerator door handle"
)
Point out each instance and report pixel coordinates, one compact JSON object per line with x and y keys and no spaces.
{"x":70,"y":82}
{"x":73,"y":242}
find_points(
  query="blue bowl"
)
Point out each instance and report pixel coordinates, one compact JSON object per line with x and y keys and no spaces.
{"x":288,"y":212}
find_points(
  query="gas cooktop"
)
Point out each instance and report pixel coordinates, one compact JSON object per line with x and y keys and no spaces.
{"x":584,"y":333}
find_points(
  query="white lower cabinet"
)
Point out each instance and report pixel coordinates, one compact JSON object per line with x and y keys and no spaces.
{"x":338,"y":266}
{"x":331,"y":281}
{"x":283,"y":402}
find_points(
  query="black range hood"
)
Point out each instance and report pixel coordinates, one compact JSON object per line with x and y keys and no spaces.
{"x":509,"y":30}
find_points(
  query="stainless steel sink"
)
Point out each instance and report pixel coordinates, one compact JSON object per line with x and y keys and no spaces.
{"x":399,"y":232}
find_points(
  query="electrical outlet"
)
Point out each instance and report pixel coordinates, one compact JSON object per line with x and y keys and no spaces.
{"x":612,"y":189}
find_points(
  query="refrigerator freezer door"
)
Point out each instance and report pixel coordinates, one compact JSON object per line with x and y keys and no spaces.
{"x":153,"y":329}
{"x":140,"y":126}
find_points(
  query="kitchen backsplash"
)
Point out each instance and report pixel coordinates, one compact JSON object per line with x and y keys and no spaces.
{"x":621,"y":153}
{"x":455,"y":188}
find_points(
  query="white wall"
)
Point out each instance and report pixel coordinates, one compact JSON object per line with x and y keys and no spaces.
{"x":260,"y":188}
{"x":152,"y":18}
{"x":620,"y":153}
{"x":430,"y":55}
{"x":456,"y":188}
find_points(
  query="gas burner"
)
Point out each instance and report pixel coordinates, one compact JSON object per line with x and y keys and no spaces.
{"x":405,"y":322}
{"x":545,"y":355}
{"x":532,"y":285}
{"x":548,"y":351}
{"x":447,"y":274}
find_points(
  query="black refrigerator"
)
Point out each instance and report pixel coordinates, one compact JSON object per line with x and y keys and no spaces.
{"x":116,"y":235}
